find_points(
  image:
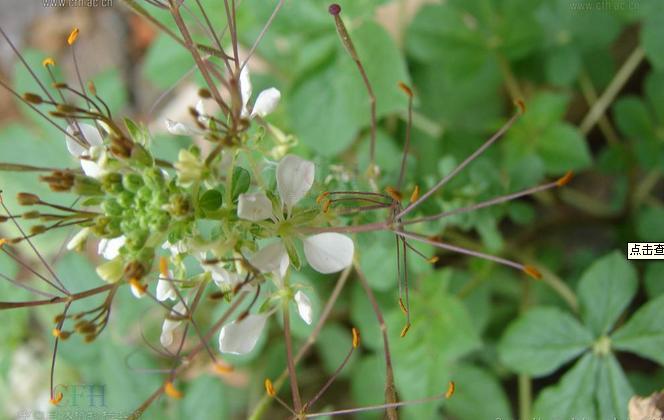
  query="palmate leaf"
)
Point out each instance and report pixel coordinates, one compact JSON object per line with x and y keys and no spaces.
{"x":478,"y":395}
{"x":605,"y":290}
{"x":643,"y":334}
{"x":542,"y":340}
{"x":613,"y":389}
{"x":573,"y":396}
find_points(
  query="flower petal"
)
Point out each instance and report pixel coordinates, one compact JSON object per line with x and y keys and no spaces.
{"x":223,"y":277}
{"x":165,"y":290}
{"x":202,"y":115}
{"x":272,"y":258}
{"x":304,"y":307}
{"x":254,"y":207}
{"x":170,"y":325}
{"x":110,"y":248}
{"x":245,"y":88}
{"x":329,"y":252}
{"x":266,"y":102}
{"x":137,"y":291}
{"x":179,"y":129}
{"x":79,"y":239}
{"x":295,"y":176}
{"x":88,"y":133}
{"x":91,"y":168}
{"x":240,"y":337}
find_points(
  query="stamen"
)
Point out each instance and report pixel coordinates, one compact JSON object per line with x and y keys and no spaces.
{"x":392,"y":192}
{"x":171,"y":391}
{"x":138,"y":287}
{"x":56,"y":400}
{"x":521,"y":105}
{"x":73,"y":35}
{"x":269,"y":388}
{"x":33,"y":98}
{"x":406,"y":89}
{"x":405,"y":330}
{"x":222,"y":369}
{"x":402,"y":306}
{"x":48,"y":61}
{"x":532,"y":272}
{"x":163,"y":267}
{"x":451,"y":386}
{"x":356,"y":338}
{"x":565,"y":179}
{"x":415,"y":195}
{"x":322,"y":196}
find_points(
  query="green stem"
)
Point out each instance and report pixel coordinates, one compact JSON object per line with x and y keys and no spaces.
{"x":525,"y":397}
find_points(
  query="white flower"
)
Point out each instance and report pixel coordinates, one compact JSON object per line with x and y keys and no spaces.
{"x":177,"y":248}
{"x":223,"y":278}
{"x":179,"y":129}
{"x":327,"y":252}
{"x":137,"y":289}
{"x":78,"y":240}
{"x":266,"y":102}
{"x":165,"y":290}
{"x":272,"y":258}
{"x":304,"y":307}
{"x":92,"y":157}
{"x":170,"y":325}
{"x":240,"y":337}
{"x":110,"y":248}
{"x":254,"y":206}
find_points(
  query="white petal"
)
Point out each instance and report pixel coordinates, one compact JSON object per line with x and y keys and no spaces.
{"x":175,"y":249}
{"x":165,"y":290}
{"x":329,"y":252}
{"x":245,"y":88}
{"x":91,"y":168}
{"x":78,"y":239}
{"x":304,"y":307}
{"x":166,"y":337}
{"x":271,"y":259}
{"x":254,"y":207}
{"x":110,"y":248}
{"x":295,"y":176}
{"x":223,"y":277}
{"x":266,"y":102}
{"x":88,"y":133}
{"x":137,"y":291}
{"x":240,"y":337}
{"x":179,"y":129}
{"x":202,"y":115}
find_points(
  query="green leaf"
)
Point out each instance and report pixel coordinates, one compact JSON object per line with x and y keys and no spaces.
{"x":377,"y":254}
{"x":654,"y":279}
{"x":329,"y":107}
{"x":652,"y":34}
{"x":241,"y":181}
{"x":333,"y":345}
{"x":654,"y":87}
{"x":573,"y":396}
{"x":166,"y":62}
{"x":563,"y":65}
{"x":643,"y":334}
{"x":633,"y":118}
{"x":368,"y":383}
{"x":613,"y":389}
{"x":138,"y":132}
{"x":205,"y":399}
{"x":540,"y":341}
{"x":210,"y":200}
{"x":650,"y":224}
{"x":478,"y":395}
{"x":562,"y":148}
{"x":605,"y":290}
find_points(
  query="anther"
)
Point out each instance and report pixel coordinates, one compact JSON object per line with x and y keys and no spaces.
{"x":171,"y":391}
{"x":392,"y":192}
{"x":565,"y":179}
{"x":415,"y":195}
{"x":403,"y":307}
{"x":532,"y":272}
{"x":72,"y":36}
{"x":326,"y":205}
{"x":434,"y":259}
{"x":56,"y":399}
{"x":139,"y":288}
{"x":48,"y":61}
{"x":163,"y":267}
{"x":204,"y":93}
{"x":404,"y":331}
{"x":521,"y":105}
{"x":222,"y":369}
{"x":356,"y":338}
{"x":269,"y":388}
{"x":406,"y":89}
{"x":92,"y":88}
{"x":451,"y":386}
{"x":322,"y":196}
{"x":2,"y":242}
{"x":334,"y":9}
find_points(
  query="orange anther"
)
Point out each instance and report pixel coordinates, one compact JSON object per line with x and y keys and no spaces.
{"x":48,"y":61}
{"x":163,"y":267}
{"x":269,"y":388}
{"x":57,"y":398}
{"x":72,"y":36}
{"x":450,"y":389}
{"x":405,"y":329}
{"x":406,"y":89}
{"x":565,"y":179}
{"x":356,"y":338}
{"x":532,"y":272}
{"x":171,"y":391}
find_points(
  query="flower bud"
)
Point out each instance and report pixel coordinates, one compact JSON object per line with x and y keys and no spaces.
{"x":111,"y":271}
{"x":86,"y":186}
{"x":132,"y":182}
{"x":27,"y":199}
{"x":111,"y":207}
